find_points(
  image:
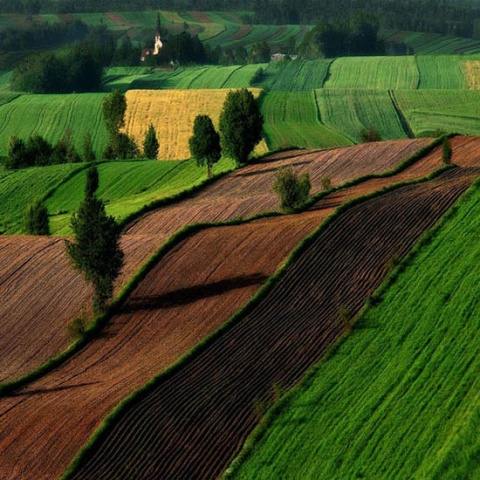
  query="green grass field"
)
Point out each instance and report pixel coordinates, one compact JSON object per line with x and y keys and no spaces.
{"x":125,"y":187}
{"x":440,"y":71}
{"x":291,"y":119}
{"x":427,"y":111}
{"x":182,"y":78}
{"x":400,"y":398}
{"x":383,"y":73}
{"x":290,"y":76}
{"x":51,"y":116}
{"x":18,"y":188}
{"x":350,"y":111}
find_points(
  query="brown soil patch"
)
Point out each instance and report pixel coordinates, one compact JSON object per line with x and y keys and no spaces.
{"x":193,"y":290}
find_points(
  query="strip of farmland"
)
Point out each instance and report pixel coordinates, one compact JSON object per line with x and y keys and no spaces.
{"x":191,"y":292}
{"x":59,"y":297}
{"x":211,"y":403}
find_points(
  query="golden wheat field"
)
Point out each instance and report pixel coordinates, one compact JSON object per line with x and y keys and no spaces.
{"x":472,"y":74}
{"x":172,"y":113}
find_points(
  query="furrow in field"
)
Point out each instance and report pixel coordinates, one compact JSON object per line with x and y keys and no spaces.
{"x":195,"y":420}
{"x":192,"y":291}
{"x":60,"y":297}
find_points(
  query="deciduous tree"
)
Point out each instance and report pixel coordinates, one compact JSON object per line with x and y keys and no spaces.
{"x":205,"y":143}
{"x":241,"y":125}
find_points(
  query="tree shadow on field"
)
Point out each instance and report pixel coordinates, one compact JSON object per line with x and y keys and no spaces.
{"x":184,"y":296}
{"x":42,"y":391}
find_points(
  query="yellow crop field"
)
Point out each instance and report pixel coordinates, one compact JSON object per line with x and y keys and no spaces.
{"x":472,"y":74}
{"x":172,"y":113}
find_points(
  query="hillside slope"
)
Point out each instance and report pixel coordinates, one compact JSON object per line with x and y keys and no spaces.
{"x":195,"y":288}
{"x":401,"y":396}
{"x":212,"y":402}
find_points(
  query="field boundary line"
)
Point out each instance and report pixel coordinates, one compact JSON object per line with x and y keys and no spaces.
{"x":401,"y":117}
{"x":138,"y":394}
{"x":172,"y":241}
{"x":275,"y":410}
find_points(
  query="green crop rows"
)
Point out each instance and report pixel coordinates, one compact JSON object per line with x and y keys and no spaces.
{"x":126,"y":187}
{"x":291,"y":119}
{"x":400,"y":397}
{"x":360,"y":109}
{"x":20,"y":187}
{"x":51,"y":116}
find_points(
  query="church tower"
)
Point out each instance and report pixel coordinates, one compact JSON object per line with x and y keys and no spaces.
{"x":158,"y":41}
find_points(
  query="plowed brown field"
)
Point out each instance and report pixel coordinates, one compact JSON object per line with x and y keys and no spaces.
{"x":190,"y":293}
{"x":34,"y":328}
{"x":194,"y":422}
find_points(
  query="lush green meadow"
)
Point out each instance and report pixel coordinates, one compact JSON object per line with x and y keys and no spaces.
{"x":126,"y":187}
{"x":51,"y":116}
{"x":400,"y":396}
{"x":440,"y":71}
{"x":18,"y":188}
{"x":427,"y":111}
{"x":291,"y":119}
{"x":392,"y":73}
{"x":237,"y":76}
{"x":290,"y":76}
{"x":360,"y":110}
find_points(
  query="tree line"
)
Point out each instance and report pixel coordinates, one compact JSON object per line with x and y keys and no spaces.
{"x":440,"y":16}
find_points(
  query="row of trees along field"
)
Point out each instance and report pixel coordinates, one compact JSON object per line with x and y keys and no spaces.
{"x":441,"y":16}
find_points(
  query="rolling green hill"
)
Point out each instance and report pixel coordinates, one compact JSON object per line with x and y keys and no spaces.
{"x":126,"y":187}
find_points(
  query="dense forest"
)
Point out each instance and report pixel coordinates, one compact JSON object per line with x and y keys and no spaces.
{"x":456,"y":17}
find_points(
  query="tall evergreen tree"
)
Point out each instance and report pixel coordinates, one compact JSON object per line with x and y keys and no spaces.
{"x":95,"y":252}
{"x":150,"y":144}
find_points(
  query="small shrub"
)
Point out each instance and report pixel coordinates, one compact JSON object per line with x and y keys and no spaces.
{"x":36,"y":219}
{"x":393,"y":262}
{"x":345,"y":317}
{"x":292,"y":189}
{"x":278,"y":391}
{"x":77,"y":328}
{"x":260,"y":408}
{"x":447,"y":151}
{"x":326,"y":183}
{"x":370,"y":134}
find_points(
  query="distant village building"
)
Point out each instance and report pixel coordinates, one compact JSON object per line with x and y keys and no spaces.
{"x":157,"y":45}
{"x":277,"y":57}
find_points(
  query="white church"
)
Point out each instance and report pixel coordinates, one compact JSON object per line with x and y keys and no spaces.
{"x":157,"y":46}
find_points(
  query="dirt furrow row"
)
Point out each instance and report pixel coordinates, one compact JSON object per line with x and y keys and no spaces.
{"x":193,"y":290}
{"x":60,"y":294}
{"x":209,"y":406}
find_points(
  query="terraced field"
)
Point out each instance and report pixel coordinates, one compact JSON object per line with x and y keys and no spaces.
{"x":237,"y":288}
{"x":291,"y":119}
{"x":440,"y":71}
{"x":172,"y":113}
{"x":51,"y":116}
{"x":433,"y":43}
{"x":405,"y":381}
{"x":360,"y":110}
{"x":209,"y":402}
{"x":227,"y":199}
